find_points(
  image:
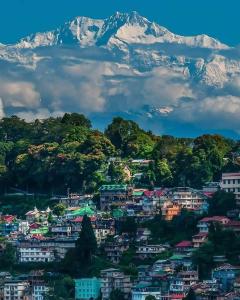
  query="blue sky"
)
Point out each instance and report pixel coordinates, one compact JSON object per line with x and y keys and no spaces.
{"x":218,"y":18}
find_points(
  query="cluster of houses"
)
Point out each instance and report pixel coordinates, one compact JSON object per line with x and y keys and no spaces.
{"x":42,"y":237}
{"x":29,"y":286}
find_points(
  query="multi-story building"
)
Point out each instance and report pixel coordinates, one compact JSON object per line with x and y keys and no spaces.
{"x":189,"y":278}
{"x":6,"y":228}
{"x":39,"y":291}
{"x":115,"y":249}
{"x":231,"y":183}
{"x":16,"y":290}
{"x":188,"y":198}
{"x":199,"y":239}
{"x":150,"y":251}
{"x":204,"y":223}
{"x":34,"y":252}
{"x":61,"y":229}
{"x":141,"y":291}
{"x":117,"y":195}
{"x":87,"y":288}
{"x":170,"y":210}
{"x":113,"y":279}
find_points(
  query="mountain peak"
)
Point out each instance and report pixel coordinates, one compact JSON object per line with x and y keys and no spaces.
{"x":118,"y":29}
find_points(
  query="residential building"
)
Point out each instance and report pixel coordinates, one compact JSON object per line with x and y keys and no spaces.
{"x":61,"y":229}
{"x":225,"y":275}
{"x":39,"y":291}
{"x":115,"y":249}
{"x":189,"y":278}
{"x":114,"y":195}
{"x":112,"y":279}
{"x":150,"y":251}
{"x":231,"y":183}
{"x":199,"y":239}
{"x":34,"y":251}
{"x":170,"y":210}
{"x":16,"y":290}
{"x":142,"y":290}
{"x":87,"y":288}
{"x":204,"y":223}
{"x":188,"y":198}
{"x":183,"y":247}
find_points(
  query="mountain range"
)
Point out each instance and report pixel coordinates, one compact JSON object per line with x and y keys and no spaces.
{"x":124,"y":65}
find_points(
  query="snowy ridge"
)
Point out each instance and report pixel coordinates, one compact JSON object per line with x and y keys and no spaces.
{"x":121,"y":27}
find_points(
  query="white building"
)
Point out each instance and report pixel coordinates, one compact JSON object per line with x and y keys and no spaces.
{"x":231,"y":183}
{"x":141,"y":293}
{"x":150,"y":250}
{"x":35,"y":254}
{"x":15,"y":290}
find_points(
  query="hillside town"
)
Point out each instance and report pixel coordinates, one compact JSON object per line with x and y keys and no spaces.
{"x":143,"y":262}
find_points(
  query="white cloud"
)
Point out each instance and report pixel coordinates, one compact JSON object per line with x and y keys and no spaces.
{"x":19,"y":94}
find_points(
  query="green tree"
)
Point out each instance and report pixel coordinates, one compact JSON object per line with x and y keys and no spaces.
{"x":76,"y":119}
{"x":221,"y":202}
{"x":116,"y":295}
{"x":59,"y":209}
{"x":86,"y":244}
{"x":191,"y":295}
{"x":150,"y":297}
{"x":8,"y":258}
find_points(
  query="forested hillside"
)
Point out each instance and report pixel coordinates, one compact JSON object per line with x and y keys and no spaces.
{"x":54,"y":154}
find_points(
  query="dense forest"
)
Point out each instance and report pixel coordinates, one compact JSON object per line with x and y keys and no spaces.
{"x":51,"y":155}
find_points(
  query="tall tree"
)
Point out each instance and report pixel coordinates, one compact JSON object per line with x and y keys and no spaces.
{"x":86,"y":244}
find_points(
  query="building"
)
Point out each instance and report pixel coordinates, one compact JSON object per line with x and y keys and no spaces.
{"x":112,"y":279}
{"x":183,"y":247}
{"x":87,"y":288}
{"x":142,"y":290}
{"x":189,"y":278}
{"x":199,"y":239}
{"x":115,"y":249}
{"x":61,"y":229}
{"x":170,"y":210}
{"x":204,"y":223}
{"x":114,"y":195}
{"x":39,"y":291}
{"x":225,"y":275}
{"x":231,"y":183}
{"x":150,"y":251}
{"x":16,"y":290}
{"x":34,"y":251}
{"x":188,"y":199}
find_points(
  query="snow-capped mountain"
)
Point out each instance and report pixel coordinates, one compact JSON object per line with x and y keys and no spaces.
{"x":123,"y":64}
{"x":119,"y":28}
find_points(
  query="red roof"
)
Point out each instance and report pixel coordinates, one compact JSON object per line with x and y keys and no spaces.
{"x":214,"y":219}
{"x":79,"y":219}
{"x":233,"y":224}
{"x":208,"y":194}
{"x":34,"y":226}
{"x":200,"y":234}
{"x":177,"y":296}
{"x":8,"y":218}
{"x":184,"y":244}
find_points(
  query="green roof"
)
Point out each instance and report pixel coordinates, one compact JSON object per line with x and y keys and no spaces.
{"x":137,"y":193}
{"x":42,"y":230}
{"x":117,"y":213}
{"x":177,"y":257}
{"x":83,"y":211}
{"x":114,"y":187}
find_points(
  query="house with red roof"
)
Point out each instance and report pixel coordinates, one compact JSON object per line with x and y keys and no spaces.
{"x":204,"y":223}
{"x":183,"y":247}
